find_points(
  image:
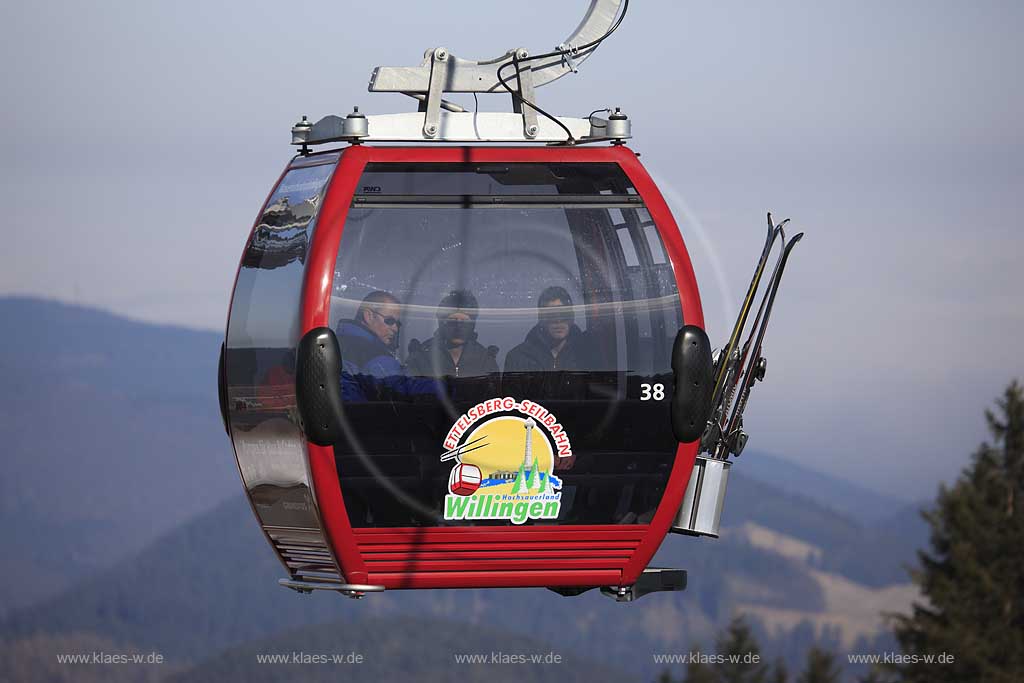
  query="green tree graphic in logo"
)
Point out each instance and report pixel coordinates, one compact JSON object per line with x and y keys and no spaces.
{"x":529,"y":478}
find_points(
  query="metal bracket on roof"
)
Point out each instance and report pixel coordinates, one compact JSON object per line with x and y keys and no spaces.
{"x":442,"y":72}
{"x":469,"y":76}
{"x":435,"y":88}
{"x":527,"y":93}
{"x":569,"y":53}
{"x":432,"y":103}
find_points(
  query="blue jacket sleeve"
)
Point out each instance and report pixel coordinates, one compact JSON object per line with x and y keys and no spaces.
{"x":388,"y":371}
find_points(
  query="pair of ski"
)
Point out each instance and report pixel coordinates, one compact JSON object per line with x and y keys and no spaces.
{"x":738,"y":368}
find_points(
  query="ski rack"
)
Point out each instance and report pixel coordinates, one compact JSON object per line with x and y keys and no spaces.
{"x":738,"y":368}
{"x":438,"y":120}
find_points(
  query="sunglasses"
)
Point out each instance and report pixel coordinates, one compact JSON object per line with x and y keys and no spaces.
{"x":390,"y":321}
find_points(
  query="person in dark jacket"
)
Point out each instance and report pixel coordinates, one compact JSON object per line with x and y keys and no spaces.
{"x":453,"y":352}
{"x":370,"y":370}
{"x":550,"y":361}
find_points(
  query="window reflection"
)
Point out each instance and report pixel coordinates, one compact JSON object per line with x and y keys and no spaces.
{"x":262,"y":334}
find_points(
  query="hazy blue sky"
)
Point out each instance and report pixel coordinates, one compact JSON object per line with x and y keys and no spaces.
{"x":139,"y":139}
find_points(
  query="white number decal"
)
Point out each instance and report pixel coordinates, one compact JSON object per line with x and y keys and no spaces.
{"x":648,"y":392}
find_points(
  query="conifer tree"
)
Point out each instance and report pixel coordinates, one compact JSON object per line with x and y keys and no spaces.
{"x":779,"y":673}
{"x":698,"y":672}
{"x":972,"y":579}
{"x":742,"y":655}
{"x":821,"y":667}
{"x":876,"y":675}
{"x":665,"y":677}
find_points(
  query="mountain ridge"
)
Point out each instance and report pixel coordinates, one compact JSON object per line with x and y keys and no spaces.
{"x":129,"y":522}
{"x":113,"y":436}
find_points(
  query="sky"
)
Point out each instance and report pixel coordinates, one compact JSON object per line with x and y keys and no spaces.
{"x":138,"y":141}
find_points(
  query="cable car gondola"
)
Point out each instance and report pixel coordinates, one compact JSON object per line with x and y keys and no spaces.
{"x":455,"y":362}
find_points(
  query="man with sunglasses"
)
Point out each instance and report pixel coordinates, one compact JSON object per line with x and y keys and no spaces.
{"x":370,"y":370}
{"x":454,"y":351}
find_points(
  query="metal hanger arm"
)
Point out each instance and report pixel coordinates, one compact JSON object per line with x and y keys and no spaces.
{"x":465,"y":75}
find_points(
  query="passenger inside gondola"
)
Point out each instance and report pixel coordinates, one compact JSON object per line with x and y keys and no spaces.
{"x":370,"y":370}
{"x":454,"y":352}
{"x":552,"y":360}
{"x":570,"y":291}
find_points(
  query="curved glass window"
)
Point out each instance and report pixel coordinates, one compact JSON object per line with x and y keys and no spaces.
{"x":506,"y":333}
{"x":263,"y":332}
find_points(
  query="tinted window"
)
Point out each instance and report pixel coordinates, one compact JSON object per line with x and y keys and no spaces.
{"x":487,"y":180}
{"x":262,"y":335}
{"x":501,"y":236}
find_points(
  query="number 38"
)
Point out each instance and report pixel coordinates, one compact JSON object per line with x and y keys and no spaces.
{"x":652,"y":392}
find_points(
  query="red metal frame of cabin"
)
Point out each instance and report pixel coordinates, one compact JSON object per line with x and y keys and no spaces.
{"x":472,"y":557}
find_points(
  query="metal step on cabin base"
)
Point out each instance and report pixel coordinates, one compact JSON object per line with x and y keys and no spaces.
{"x":350,"y":590}
{"x":653,"y":580}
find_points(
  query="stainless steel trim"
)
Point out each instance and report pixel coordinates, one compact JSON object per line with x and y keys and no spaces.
{"x":652,"y":580}
{"x":349,"y":590}
{"x":701,"y":510}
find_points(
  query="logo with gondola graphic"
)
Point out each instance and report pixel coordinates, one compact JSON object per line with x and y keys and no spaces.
{"x":504,"y":454}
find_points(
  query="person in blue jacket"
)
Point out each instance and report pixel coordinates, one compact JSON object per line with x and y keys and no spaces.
{"x":370,"y":371}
